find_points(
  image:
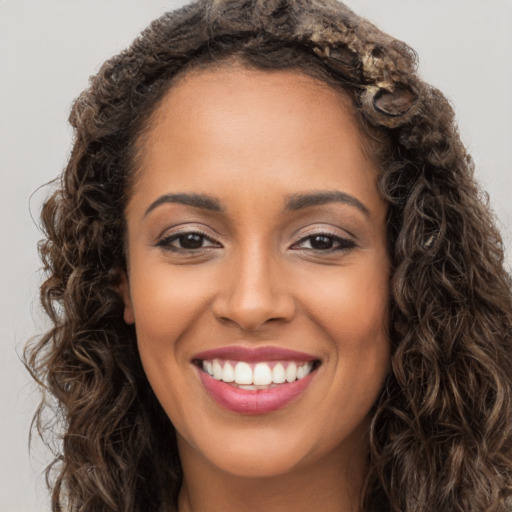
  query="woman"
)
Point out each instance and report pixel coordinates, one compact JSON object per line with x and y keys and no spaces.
{"x":272,"y":280}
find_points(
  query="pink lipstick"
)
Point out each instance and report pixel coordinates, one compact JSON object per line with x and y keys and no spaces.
{"x":255,"y":380}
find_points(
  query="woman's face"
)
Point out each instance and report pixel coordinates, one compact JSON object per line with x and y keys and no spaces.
{"x":257,"y":252}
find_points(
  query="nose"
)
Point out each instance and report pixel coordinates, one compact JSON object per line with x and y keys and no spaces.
{"x":254,"y":292}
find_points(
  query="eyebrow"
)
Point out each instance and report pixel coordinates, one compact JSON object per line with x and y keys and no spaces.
{"x":293,"y":203}
{"x":317,"y":198}
{"x":196,"y":200}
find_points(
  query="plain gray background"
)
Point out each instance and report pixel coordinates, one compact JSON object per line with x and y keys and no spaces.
{"x":48,"y":49}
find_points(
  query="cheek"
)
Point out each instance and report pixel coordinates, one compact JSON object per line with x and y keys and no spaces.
{"x":164,"y":314}
{"x":169,"y":310}
{"x":352,"y":312}
{"x":167,"y":303}
{"x":353,"y":304}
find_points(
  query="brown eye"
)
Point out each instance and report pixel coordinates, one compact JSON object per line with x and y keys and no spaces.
{"x":324,"y":242}
{"x":187,"y":242}
{"x":190,"y":241}
{"x":321,"y":242}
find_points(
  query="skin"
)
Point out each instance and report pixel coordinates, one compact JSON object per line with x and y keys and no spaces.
{"x":251,"y":140}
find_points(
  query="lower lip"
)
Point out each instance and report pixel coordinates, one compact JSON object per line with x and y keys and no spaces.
{"x":254,"y":401}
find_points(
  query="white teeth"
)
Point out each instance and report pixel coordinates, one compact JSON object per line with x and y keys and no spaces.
{"x":245,"y":377}
{"x":217,"y":370}
{"x":262,"y":374}
{"x":278,"y":374}
{"x":291,"y":372}
{"x":228,"y":373}
{"x":243,"y":373}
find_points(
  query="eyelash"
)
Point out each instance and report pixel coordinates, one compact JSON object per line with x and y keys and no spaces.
{"x":344,"y":244}
{"x":166,"y":242}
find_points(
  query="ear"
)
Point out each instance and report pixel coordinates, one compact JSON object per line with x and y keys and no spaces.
{"x":124,"y":291}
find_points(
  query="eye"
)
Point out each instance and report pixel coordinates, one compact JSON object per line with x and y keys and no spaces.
{"x":324,"y":242}
{"x":188,"y":241}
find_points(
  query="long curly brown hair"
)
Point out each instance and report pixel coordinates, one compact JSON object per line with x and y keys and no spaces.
{"x":441,"y":433}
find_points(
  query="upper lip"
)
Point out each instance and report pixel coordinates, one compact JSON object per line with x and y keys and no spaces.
{"x":240,"y":353}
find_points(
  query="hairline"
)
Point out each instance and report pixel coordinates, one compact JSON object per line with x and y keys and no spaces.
{"x":238,"y":62}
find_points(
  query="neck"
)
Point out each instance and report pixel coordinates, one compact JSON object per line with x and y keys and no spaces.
{"x":333,"y":483}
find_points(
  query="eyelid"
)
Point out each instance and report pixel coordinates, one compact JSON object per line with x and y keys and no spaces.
{"x":187,"y":227}
{"x":164,"y":240}
{"x":329,"y":232}
{"x":324,"y":229}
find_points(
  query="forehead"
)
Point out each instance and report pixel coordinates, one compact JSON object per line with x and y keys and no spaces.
{"x":240,"y":89}
{"x":233,"y":124}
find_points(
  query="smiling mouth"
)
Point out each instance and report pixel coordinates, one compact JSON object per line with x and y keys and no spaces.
{"x":260,"y":375}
